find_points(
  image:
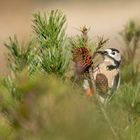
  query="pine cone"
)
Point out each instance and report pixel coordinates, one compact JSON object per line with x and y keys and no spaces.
{"x":82,"y":59}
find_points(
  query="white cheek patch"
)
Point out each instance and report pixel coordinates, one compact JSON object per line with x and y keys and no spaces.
{"x":118,"y":57}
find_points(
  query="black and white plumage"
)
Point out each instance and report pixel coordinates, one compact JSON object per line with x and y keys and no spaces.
{"x":106,"y":74}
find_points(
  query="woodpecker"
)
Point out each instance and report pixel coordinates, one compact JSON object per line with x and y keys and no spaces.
{"x":106,"y":74}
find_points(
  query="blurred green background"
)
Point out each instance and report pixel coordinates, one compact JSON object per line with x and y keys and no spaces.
{"x":39,"y":98}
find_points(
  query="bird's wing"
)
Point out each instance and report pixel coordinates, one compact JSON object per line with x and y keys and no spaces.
{"x":101,"y":83}
{"x":116,"y":83}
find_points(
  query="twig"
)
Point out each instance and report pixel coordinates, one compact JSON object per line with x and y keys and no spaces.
{"x":100,"y":45}
{"x":92,"y":80}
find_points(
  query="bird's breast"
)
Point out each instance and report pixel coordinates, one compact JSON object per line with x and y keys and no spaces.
{"x":110,"y":74}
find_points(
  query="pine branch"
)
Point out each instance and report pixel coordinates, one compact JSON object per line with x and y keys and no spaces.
{"x":50,"y":29}
{"x":20,"y":56}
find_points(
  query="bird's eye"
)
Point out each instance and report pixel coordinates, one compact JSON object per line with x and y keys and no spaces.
{"x":113,"y":53}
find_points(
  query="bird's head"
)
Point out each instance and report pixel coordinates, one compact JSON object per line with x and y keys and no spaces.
{"x":111,"y":54}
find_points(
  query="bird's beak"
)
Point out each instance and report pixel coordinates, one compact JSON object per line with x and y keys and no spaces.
{"x":102,"y":52}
